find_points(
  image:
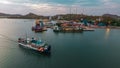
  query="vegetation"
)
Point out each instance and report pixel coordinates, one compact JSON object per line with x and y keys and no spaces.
{"x":107,"y":19}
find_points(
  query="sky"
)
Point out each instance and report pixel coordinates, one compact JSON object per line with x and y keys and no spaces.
{"x":53,"y":7}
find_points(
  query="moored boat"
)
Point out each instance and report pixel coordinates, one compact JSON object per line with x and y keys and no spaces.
{"x":39,"y":26}
{"x":56,"y":29}
{"x":67,"y":29}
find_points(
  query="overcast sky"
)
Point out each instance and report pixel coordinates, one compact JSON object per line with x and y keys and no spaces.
{"x":53,"y":7}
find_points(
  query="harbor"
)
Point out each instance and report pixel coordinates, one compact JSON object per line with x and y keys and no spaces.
{"x":59,"y":34}
{"x":96,"y":49}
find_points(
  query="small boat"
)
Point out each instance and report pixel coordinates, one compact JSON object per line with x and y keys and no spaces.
{"x":56,"y":29}
{"x":34,"y":44}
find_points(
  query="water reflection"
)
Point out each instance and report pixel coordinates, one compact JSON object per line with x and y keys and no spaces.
{"x":107,"y":33}
{"x":33,"y":53}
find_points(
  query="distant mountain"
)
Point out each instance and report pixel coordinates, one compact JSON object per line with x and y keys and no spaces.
{"x":32,"y":16}
{"x":3,"y":14}
{"x":61,"y":16}
{"x":112,"y":16}
{"x":29,"y":15}
{"x":9,"y":15}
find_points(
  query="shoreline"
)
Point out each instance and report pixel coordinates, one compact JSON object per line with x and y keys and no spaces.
{"x":104,"y":27}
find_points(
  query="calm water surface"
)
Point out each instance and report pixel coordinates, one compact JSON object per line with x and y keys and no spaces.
{"x":98,"y":49}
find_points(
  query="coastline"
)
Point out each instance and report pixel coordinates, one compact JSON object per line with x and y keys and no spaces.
{"x":104,"y":27}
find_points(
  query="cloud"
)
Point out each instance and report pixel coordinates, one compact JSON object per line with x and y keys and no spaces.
{"x":52,"y":7}
{"x":5,"y":2}
{"x":110,"y":4}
